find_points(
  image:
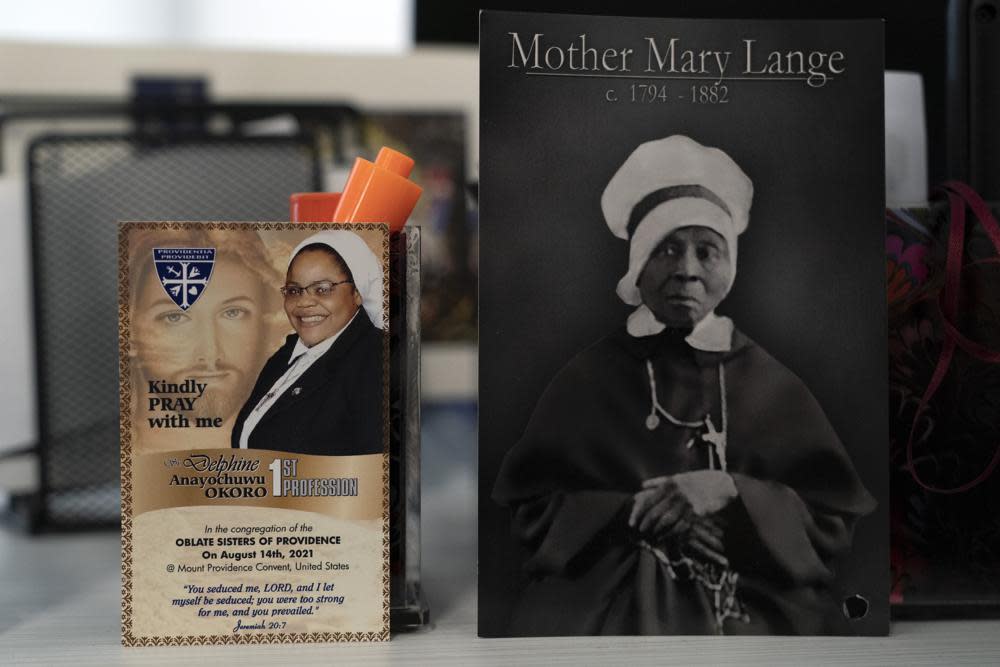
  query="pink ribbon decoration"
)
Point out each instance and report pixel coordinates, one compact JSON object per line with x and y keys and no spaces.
{"x":959,"y":197}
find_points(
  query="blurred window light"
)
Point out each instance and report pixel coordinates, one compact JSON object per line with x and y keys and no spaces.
{"x":372,"y":26}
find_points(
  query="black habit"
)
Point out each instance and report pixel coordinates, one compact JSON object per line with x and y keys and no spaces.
{"x":335,"y":407}
{"x":587,"y":449}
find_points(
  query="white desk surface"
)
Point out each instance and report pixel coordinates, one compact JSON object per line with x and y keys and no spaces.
{"x":61,"y":606}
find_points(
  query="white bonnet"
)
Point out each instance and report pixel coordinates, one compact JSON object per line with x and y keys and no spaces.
{"x":671,"y":183}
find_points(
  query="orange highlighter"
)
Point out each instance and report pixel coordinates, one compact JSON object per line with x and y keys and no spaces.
{"x":379,"y":191}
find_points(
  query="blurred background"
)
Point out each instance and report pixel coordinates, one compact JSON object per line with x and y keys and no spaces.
{"x":219,"y":109}
{"x":195,"y":110}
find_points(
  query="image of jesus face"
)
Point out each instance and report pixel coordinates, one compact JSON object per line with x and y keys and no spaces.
{"x":218,"y":341}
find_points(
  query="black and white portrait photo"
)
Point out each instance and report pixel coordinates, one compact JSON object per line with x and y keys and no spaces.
{"x":682,"y":358}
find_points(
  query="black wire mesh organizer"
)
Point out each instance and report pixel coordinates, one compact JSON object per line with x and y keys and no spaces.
{"x":79,"y":188}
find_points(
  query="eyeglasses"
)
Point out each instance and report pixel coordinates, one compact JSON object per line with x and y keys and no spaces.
{"x":317,"y":289}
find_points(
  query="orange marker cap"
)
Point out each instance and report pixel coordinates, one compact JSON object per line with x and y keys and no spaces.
{"x":313,"y":206}
{"x":379,"y":191}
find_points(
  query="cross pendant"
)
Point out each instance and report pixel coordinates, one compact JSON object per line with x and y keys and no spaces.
{"x":717,"y":439}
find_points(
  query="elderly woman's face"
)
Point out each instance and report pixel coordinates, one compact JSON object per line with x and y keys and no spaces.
{"x":319,"y":312}
{"x":686,"y":276}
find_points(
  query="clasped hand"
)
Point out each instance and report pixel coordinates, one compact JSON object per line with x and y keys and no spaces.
{"x":682,"y":506}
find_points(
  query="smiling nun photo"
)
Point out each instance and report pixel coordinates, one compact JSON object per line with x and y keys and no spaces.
{"x":674,"y":478}
{"x":322,"y":391}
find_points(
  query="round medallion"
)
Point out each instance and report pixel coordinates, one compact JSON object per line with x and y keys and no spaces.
{"x":652,"y":421}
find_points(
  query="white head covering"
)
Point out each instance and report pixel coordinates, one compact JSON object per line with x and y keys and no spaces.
{"x":364,"y":266}
{"x":664,"y":185}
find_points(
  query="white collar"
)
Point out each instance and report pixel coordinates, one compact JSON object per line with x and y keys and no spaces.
{"x":714,"y":333}
{"x":319,"y":349}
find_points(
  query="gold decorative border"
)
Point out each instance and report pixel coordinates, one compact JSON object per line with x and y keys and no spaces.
{"x":125,"y":427}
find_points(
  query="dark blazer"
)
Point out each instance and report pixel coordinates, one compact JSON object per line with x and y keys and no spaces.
{"x":335,"y":407}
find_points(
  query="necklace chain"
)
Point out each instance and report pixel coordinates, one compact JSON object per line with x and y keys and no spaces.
{"x":715,"y":438}
{"x":658,"y":408}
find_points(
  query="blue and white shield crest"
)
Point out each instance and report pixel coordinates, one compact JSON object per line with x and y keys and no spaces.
{"x":184,"y":272}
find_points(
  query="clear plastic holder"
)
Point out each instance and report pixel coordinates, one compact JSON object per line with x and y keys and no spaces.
{"x":409,"y":609}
